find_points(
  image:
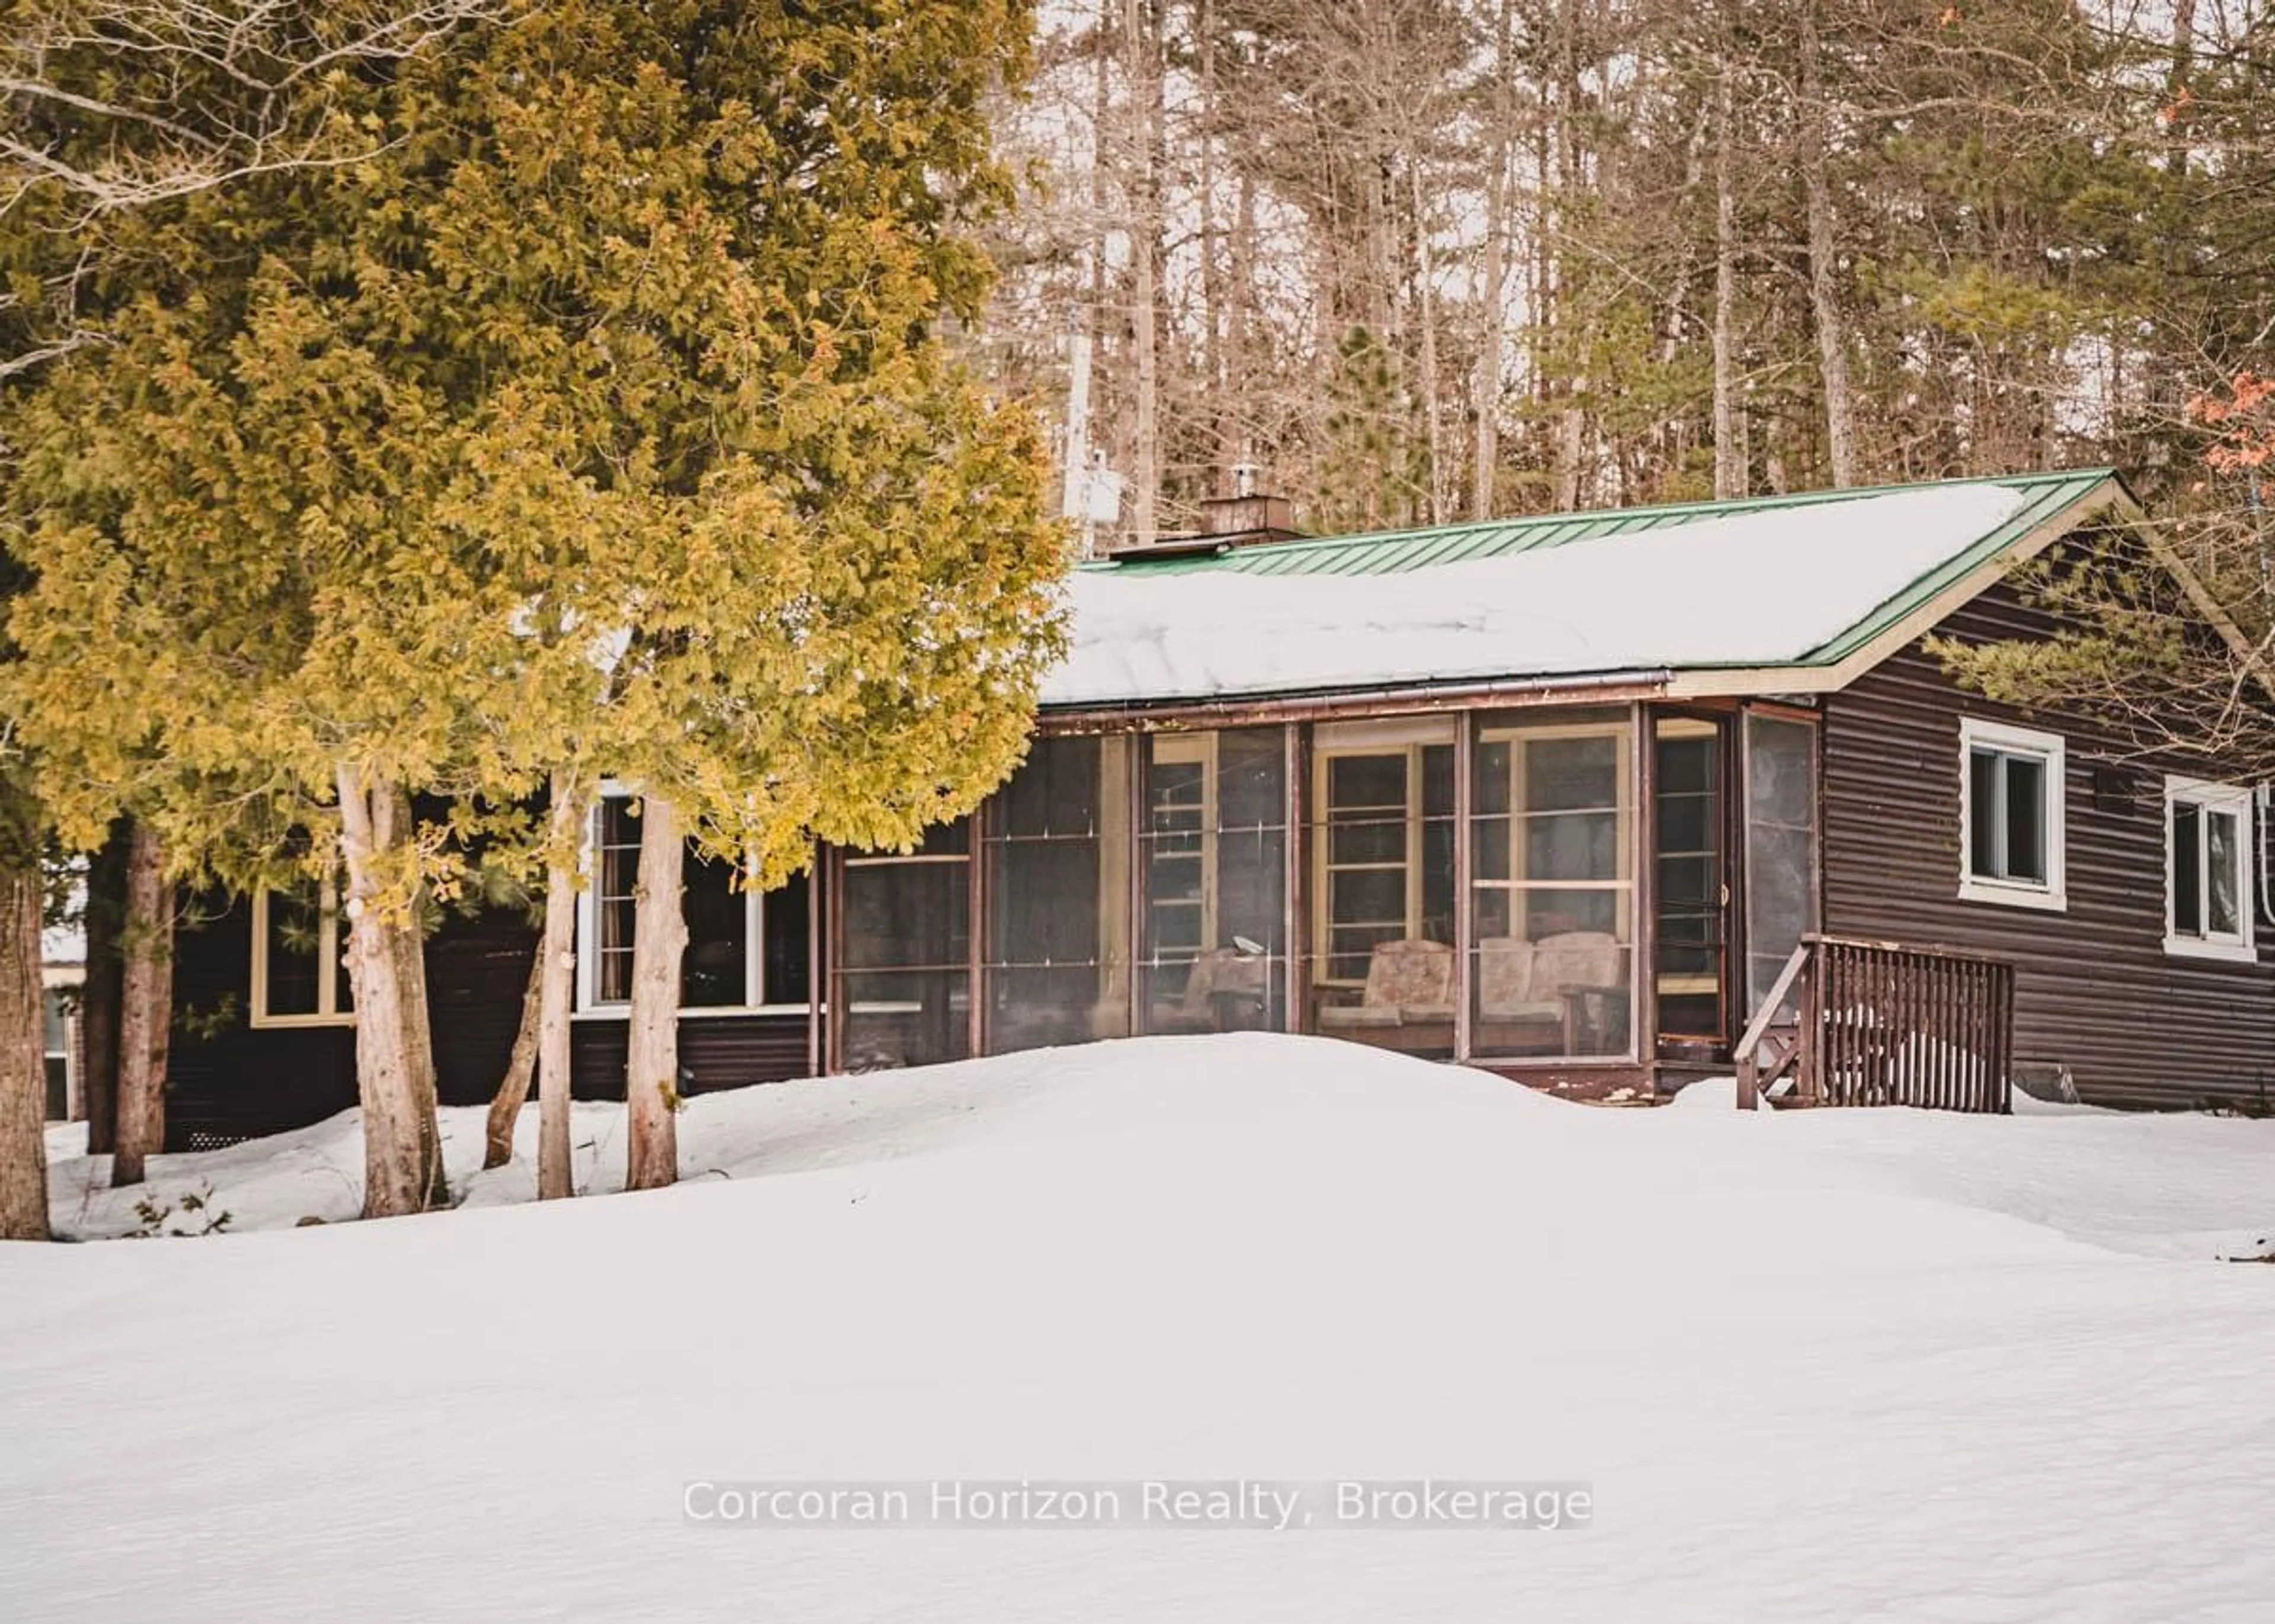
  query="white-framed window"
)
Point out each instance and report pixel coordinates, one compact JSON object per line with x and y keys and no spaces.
{"x":1181,"y":886}
{"x":747,"y":951}
{"x":1552,"y":829}
{"x":2208,"y":840}
{"x":2011,"y":815}
{"x":1383,"y":844}
{"x":300,"y":958}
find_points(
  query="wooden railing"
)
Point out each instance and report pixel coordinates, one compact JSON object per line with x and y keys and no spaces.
{"x":1882,"y":1023}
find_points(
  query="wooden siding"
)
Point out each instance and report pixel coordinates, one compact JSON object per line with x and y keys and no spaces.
{"x":225,"y":1081}
{"x":715,"y":1052}
{"x":2095,"y":990}
{"x":228,"y":1081}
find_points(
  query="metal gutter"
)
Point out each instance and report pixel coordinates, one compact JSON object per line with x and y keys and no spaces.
{"x":1235,"y":710}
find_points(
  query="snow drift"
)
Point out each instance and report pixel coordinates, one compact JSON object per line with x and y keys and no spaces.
{"x":1832,"y":1366}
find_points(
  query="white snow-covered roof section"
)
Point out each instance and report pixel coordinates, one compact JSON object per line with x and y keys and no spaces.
{"x":1759,"y":587}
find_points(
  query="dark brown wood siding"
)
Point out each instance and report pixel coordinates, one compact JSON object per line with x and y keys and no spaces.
{"x":2095,"y":990}
{"x":715,"y":1052}
{"x":228,"y":1081}
{"x":225,"y":1081}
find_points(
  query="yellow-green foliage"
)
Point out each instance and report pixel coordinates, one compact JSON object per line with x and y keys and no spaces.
{"x":597,"y":422}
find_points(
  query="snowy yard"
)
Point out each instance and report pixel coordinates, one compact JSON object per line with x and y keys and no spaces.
{"x":1837,"y":1366}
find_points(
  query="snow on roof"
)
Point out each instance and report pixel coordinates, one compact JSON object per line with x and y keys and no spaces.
{"x":1758,"y":588}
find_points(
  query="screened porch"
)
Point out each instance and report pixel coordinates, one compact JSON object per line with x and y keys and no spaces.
{"x":1576,"y":887}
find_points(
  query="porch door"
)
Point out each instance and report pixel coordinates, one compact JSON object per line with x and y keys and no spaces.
{"x":1690,"y":807}
{"x":1783,"y":882}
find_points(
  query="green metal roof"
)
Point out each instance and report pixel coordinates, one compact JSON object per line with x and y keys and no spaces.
{"x":1398,"y":551}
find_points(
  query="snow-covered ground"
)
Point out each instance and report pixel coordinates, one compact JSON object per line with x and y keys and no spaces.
{"x":1830,"y":1366}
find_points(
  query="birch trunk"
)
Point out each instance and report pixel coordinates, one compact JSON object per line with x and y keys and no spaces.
{"x":651,"y":1063}
{"x":521,"y":1066}
{"x":22,"y":1065}
{"x":1824,"y":292}
{"x":145,"y":1004}
{"x":395,"y":1065}
{"x":101,"y":990}
{"x":1729,"y":468}
{"x":557,"y":952}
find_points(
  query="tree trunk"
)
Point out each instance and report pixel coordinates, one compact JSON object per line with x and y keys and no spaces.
{"x":1237,"y":346}
{"x":1145,"y":246}
{"x":101,"y":990}
{"x":409,"y":942}
{"x":1484,"y":390}
{"x":1220,"y":408}
{"x":145,"y":1009}
{"x":22,"y":1065}
{"x":521,"y":1066}
{"x":1729,"y":468}
{"x":652,"y":1064}
{"x":557,"y":952}
{"x":1824,"y":293}
{"x":1427,"y":313}
{"x":395,"y":1065}
{"x":1571,"y":443}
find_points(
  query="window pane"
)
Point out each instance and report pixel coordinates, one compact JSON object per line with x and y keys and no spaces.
{"x":1057,"y":957}
{"x":714,"y":970}
{"x":1686,"y":818}
{"x":1551,"y":949}
{"x":1368,"y":897}
{"x":1570,"y":774}
{"x":55,"y":1017}
{"x":946,"y":840}
{"x":1489,"y":791}
{"x":295,"y":940}
{"x":1436,"y":921}
{"x":1054,"y":794}
{"x":1689,"y":888}
{"x":907,"y":914}
{"x":1983,"y":815}
{"x":1573,"y":846}
{"x":905,"y":997}
{"x":784,"y":921}
{"x":615,"y":868}
{"x":1556,"y":913}
{"x":903,"y":1017}
{"x":1366,"y":817}
{"x":2187,"y":869}
{"x":1212,"y":940}
{"x":2026,"y":818}
{"x":2222,"y":852}
{"x":1361,"y":781}
{"x":1374,"y":840}
{"x":1780,"y":848}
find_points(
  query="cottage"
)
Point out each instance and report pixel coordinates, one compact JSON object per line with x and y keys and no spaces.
{"x":1562,"y":797}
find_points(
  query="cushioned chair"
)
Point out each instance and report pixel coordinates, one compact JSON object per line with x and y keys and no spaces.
{"x":1505,"y":983}
{"x":1535,"y":994}
{"x":1408,"y":983}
